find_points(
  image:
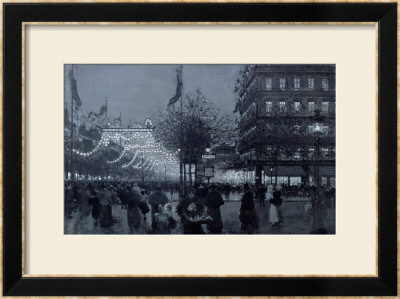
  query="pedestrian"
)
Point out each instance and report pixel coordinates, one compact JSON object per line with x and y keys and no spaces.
{"x":133,"y":207}
{"x":227,"y":191}
{"x":84,"y":205}
{"x":262,"y":190}
{"x":156,"y":198}
{"x":201,"y":193}
{"x":169,"y":208}
{"x":275,"y":214}
{"x":123,"y":196}
{"x":143,"y":206}
{"x":213,"y":203}
{"x":163,"y":221}
{"x":68,"y":200}
{"x":94,"y":200}
{"x":105,"y":216}
{"x":248,"y":216}
{"x":192,"y":213}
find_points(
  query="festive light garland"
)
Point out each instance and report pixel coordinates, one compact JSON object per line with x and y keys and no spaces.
{"x":140,"y":140}
{"x":130,"y":162}
{"x":125,"y":150}
{"x":104,"y":140}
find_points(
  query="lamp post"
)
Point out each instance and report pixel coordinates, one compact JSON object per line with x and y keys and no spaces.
{"x":208,"y":150}
{"x":181,"y":191}
{"x":272,"y":170}
{"x":165,"y":173}
{"x":141,"y":154}
{"x":318,"y":125}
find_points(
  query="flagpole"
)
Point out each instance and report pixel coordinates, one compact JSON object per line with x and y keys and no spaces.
{"x":181,"y":154}
{"x":72,"y":130}
{"x":106,"y":107}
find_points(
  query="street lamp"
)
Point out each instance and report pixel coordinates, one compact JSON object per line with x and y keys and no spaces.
{"x":318,"y":131}
{"x":272,"y":170}
{"x":317,"y":125}
{"x":208,"y":150}
{"x":181,"y":190}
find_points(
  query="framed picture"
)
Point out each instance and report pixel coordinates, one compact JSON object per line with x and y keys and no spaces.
{"x":284,"y":183}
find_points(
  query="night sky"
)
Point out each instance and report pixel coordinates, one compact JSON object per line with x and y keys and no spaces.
{"x":141,"y":91}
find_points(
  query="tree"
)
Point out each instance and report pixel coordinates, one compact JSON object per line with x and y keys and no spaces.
{"x":190,"y":129}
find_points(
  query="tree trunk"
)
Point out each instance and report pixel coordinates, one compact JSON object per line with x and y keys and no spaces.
{"x":190,"y":168}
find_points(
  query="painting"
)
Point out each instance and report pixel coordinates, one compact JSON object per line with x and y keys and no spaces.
{"x":199,"y":149}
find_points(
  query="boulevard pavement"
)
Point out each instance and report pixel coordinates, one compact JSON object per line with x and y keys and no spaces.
{"x":296,"y":219}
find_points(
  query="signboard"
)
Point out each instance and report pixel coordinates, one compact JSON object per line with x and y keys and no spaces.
{"x":208,"y":156}
{"x":209,"y":172}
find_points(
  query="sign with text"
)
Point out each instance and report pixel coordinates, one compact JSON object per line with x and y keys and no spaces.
{"x":208,"y":156}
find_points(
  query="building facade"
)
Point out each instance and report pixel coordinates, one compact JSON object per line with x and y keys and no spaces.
{"x":279,"y":127}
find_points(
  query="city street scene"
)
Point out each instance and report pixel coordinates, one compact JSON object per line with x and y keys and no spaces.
{"x":199,"y":149}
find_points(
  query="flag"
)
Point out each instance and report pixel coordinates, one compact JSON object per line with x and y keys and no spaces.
{"x":92,"y":116}
{"x":74,"y":90}
{"x":178,"y":94}
{"x":117,"y":120}
{"x":103,"y":109}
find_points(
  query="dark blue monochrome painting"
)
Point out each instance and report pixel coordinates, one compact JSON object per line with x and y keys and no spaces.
{"x":199,"y":149}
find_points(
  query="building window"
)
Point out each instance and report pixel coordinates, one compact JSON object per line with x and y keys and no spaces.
{"x":268,"y":84}
{"x":282,"y":83}
{"x":311,"y":83}
{"x":296,"y":83}
{"x":296,"y":156}
{"x":311,"y":106}
{"x":282,"y":106}
{"x":325,"y":106}
{"x":297,"y":106}
{"x":325,"y":84}
{"x":268,"y":107}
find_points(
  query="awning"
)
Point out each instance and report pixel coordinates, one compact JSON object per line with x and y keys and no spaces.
{"x":286,"y":171}
{"x":324,"y":170}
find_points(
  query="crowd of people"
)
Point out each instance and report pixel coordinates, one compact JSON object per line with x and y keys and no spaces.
{"x":197,"y":212}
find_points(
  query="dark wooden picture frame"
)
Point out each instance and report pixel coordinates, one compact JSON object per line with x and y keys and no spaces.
{"x":15,"y":284}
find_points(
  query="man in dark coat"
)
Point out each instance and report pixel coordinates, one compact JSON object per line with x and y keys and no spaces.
{"x":248,"y":216}
{"x":213,"y":203}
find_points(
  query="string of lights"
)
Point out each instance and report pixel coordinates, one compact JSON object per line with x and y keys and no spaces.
{"x":136,"y":140}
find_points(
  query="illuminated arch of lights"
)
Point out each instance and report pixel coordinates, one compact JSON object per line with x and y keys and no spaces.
{"x":139,"y":142}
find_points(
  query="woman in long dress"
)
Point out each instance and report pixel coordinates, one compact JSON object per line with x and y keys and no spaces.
{"x":275,"y":214}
